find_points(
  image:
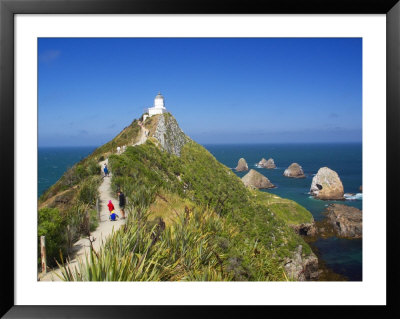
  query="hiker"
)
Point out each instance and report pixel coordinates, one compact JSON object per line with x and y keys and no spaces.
{"x":118,"y":149}
{"x":105,"y":170}
{"x":110,"y":206}
{"x":113,"y":216}
{"x":121,"y":197}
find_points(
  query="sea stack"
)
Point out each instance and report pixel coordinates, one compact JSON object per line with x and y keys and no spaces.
{"x":267,"y":164}
{"x":242,"y":165}
{"x":346,"y":220}
{"x":327,"y":185}
{"x":257,"y":180}
{"x":294,"y":171}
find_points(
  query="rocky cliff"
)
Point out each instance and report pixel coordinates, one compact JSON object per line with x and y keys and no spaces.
{"x":346,"y":220}
{"x":169,"y":134}
{"x":302,"y":267}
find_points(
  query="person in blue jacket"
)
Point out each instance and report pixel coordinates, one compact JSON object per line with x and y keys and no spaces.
{"x":105,"y":170}
{"x":113,"y":216}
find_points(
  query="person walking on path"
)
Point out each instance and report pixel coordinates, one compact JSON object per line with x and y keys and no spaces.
{"x":121,"y":197}
{"x":105,"y":170}
{"x":110,"y":206}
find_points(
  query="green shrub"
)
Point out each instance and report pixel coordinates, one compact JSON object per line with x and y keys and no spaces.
{"x":52,"y":225}
{"x":92,"y":167}
{"x":80,"y":172}
{"x":88,"y":192}
{"x":94,"y":222}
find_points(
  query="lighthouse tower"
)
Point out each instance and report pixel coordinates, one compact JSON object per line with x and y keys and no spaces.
{"x":159,"y":106}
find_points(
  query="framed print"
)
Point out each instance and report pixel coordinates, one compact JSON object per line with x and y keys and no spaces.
{"x":173,"y":154}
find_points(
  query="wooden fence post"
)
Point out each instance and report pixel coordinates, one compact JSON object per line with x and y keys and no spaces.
{"x":43,"y":253}
{"x":98,"y":208}
{"x":88,"y":222}
{"x":69,"y":237}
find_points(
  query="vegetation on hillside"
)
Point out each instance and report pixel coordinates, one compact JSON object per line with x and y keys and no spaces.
{"x":191,"y":218}
{"x":63,"y":208}
{"x":285,"y":209}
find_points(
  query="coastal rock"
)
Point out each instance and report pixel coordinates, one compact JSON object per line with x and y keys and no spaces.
{"x":294,"y":171}
{"x":306,"y":229}
{"x":326,"y":184}
{"x":257,"y":180}
{"x":267,"y":164}
{"x":302,"y":268}
{"x":242,"y":165}
{"x":169,"y":134}
{"x":346,"y":220}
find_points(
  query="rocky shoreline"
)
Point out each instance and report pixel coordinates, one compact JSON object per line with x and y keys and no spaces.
{"x":302,"y":268}
{"x":341,"y":221}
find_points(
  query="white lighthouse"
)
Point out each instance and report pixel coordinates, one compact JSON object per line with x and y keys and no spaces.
{"x":159,"y":107}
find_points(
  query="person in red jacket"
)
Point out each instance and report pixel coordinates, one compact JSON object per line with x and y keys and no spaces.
{"x":110,"y":206}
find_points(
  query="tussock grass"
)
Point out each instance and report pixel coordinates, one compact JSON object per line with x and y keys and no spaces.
{"x":186,"y":250}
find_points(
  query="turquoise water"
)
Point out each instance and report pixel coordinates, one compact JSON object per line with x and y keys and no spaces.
{"x":54,"y":161}
{"x":341,"y":255}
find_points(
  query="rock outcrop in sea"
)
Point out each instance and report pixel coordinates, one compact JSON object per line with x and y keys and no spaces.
{"x":326,"y":184}
{"x":294,"y":171}
{"x":242,"y":165}
{"x":267,"y":164}
{"x":346,"y":220}
{"x":257,"y":180}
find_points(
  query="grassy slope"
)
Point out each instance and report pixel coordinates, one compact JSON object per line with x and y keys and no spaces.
{"x":285,"y":209}
{"x":198,"y":181}
{"x":245,"y":239}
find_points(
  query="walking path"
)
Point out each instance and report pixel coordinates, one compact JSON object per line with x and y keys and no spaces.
{"x":105,"y":228}
{"x":144,"y":134}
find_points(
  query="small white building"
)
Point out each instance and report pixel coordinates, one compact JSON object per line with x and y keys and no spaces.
{"x":159,"y":106}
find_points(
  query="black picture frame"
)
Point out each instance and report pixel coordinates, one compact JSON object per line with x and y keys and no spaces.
{"x":8,"y":8}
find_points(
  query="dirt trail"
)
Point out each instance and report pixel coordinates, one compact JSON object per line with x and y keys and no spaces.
{"x":144,"y":135}
{"x":105,"y":228}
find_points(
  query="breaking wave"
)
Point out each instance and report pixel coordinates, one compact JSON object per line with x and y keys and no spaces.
{"x":357,"y":196}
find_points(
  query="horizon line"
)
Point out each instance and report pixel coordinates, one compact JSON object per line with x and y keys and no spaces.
{"x":218,"y":143}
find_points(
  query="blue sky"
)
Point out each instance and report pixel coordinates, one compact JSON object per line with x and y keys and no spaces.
{"x":234,"y":90}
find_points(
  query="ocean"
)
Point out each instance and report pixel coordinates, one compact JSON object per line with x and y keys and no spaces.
{"x":54,"y":161}
{"x":343,"y":256}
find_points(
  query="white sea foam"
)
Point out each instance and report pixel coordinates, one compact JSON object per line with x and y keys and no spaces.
{"x":357,"y":196}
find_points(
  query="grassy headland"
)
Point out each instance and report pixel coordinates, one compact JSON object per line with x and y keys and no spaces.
{"x":192,"y":218}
